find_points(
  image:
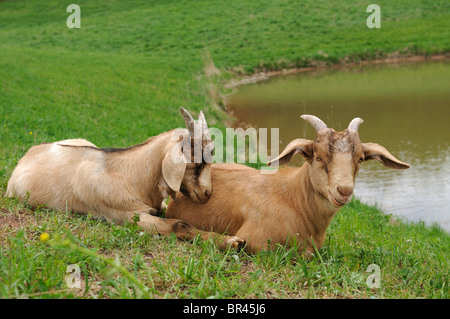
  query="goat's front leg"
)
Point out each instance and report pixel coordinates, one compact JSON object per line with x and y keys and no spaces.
{"x":158,"y":212}
{"x":185,"y":231}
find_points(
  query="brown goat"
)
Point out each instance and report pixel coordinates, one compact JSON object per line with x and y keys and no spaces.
{"x":116,"y":184}
{"x":293,"y":204}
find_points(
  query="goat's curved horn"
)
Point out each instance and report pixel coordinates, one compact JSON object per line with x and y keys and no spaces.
{"x":354,"y":124}
{"x":204,"y":126}
{"x":317,"y":123}
{"x":202,"y":122}
{"x":188,"y":120}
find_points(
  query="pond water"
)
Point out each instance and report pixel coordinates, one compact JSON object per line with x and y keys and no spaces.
{"x":405,"y":108}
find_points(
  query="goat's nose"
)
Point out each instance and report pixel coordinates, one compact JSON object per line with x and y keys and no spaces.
{"x":345,"y":191}
{"x":208,"y":193}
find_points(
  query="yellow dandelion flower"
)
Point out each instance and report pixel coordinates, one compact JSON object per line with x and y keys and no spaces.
{"x":44,"y":237}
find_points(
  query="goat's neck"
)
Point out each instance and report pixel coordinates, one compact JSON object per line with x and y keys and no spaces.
{"x":141,"y":167}
{"x":314,"y":206}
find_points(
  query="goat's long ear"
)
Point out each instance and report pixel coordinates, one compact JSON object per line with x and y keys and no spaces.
{"x":172,"y":172}
{"x":378,"y":152}
{"x":300,"y":146}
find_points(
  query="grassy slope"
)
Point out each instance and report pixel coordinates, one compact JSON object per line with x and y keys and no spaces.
{"x":121,"y":77}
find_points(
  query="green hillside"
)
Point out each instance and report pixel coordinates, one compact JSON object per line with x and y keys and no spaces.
{"x":121,"y":78}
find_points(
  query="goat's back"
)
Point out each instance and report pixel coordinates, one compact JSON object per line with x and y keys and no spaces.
{"x":48,"y":173}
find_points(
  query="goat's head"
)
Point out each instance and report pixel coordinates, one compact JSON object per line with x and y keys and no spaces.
{"x":334,"y":159}
{"x":191,"y":172}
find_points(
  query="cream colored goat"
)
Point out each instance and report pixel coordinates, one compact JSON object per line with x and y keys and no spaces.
{"x":117,"y":184}
{"x":293,"y":203}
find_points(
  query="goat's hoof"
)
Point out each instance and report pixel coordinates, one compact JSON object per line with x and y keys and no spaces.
{"x":235,"y":242}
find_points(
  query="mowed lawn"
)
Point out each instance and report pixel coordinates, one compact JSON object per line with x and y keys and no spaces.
{"x":121,"y":78}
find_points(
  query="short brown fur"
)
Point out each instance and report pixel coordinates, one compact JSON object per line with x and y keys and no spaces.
{"x":294,"y":204}
{"x":117,"y":184}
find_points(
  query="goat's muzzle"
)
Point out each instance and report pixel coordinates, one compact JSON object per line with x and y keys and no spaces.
{"x":342,"y":197}
{"x":203,"y":198}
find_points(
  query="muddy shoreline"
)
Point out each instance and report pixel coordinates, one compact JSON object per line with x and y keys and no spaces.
{"x":263,"y":76}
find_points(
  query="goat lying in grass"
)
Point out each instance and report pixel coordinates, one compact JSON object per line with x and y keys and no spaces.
{"x":294,"y":204}
{"x":117,"y":184}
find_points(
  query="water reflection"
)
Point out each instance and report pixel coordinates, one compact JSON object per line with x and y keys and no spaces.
{"x":405,"y":108}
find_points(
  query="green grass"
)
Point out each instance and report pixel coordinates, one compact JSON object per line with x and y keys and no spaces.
{"x":123,"y":262}
{"x":121,"y":78}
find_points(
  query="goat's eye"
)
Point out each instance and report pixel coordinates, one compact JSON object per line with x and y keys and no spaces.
{"x":318,"y":158}
{"x":361,"y":160}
